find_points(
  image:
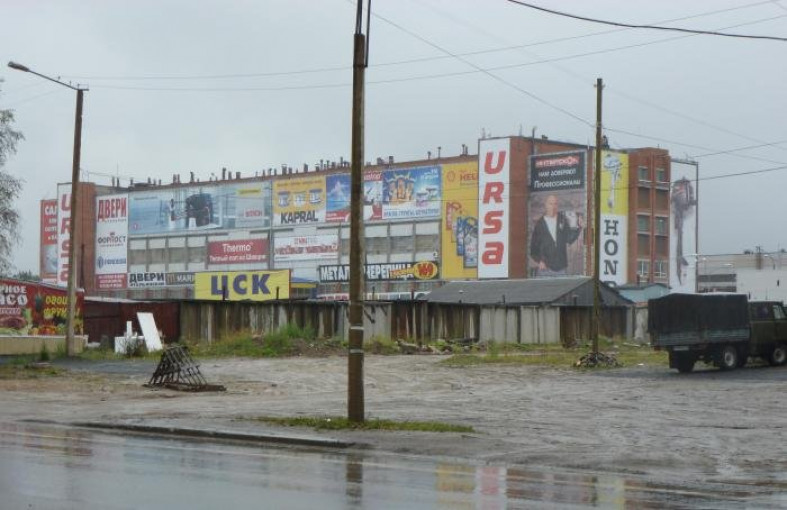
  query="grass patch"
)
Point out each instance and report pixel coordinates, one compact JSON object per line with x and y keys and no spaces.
{"x":341,"y":423}
{"x":289,"y":340}
{"x":557,"y":355}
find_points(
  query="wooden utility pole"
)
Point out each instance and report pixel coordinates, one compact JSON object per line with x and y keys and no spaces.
{"x":596,"y":321}
{"x":74,"y":223}
{"x":355,"y":399}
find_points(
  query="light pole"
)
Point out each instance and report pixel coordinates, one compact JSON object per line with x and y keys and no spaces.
{"x":74,"y":220}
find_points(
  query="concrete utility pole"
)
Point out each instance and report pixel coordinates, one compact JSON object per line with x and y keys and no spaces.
{"x":596,"y":321}
{"x":355,"y":400}
{"x":73,"y":240}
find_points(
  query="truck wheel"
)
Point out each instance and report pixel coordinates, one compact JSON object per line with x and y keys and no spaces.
{"x":684,"y":364}
{"x":728,"y":358}
{"x":778,"y":356}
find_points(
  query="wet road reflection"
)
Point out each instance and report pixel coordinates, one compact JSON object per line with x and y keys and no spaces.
{"x":57,"y":467}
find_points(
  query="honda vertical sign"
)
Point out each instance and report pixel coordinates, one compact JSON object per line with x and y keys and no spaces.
{"x":494,"y":157}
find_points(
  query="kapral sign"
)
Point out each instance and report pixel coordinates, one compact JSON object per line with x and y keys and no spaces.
{"x":242,"y":285}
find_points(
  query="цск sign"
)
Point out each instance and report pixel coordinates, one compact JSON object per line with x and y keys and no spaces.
{"x":242,"y":285}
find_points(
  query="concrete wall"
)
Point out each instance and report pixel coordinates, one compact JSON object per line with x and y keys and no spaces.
{"x":14,"y":345}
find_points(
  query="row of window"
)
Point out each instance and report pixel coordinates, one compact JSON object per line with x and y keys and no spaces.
{"x":660,"y":268}
{"x":643,"y":174}
{"x":660,"y":224}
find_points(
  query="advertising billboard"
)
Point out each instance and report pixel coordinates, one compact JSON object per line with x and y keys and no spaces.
{"x":238,"y":251}
{"x":159,"y":280}
{"x":494,"y":160}
{"x":337,"y":203}
{"x":411,"y":193}
{"x":47,"y":266}
{"x":299,"y":201}
{"x":199,"y":207}
{"x":33,"y":309}
{"x":614,"y":217}
{"x":459,"y":225}
{"x":425,"y":270}
{"x":111,"y":241}
{"x":147,"y":279}
{"x":253,"y":205}
{"x":683,"y":228}
{"x":373,"y":195}
{"x":557,"y":213}
{"x":63,"y":231}
{"x":242,"y":285}
{"x":301,"y":248}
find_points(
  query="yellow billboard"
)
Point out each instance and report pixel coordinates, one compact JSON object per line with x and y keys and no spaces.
{"x":614,"y":217}
{"x":299,"y":201}
{"x":242,"y":285}
{"x":614,"y":183}
{"x":459,"y":225}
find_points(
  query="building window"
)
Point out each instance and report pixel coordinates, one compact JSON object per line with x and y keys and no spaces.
{"x":198,"y":254}
{"x":402,"y":244}
{"x":660,"y":268}
{"x":661,"y":226}
{"x":643,"y":173}
{"x":376,"y":245}
{"x":427,"y":243}
{"x":643,"y":245}
{"x":643,"y":198}
{"x":661,"y":175}
{"x":643,"y":268}
{"x":662,"y":200}
{"x":643,"y":223}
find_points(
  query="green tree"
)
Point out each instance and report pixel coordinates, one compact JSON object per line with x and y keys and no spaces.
{"x":10,"y":187}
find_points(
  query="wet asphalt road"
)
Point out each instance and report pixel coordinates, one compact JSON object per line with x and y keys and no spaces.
{"x":48,"y":467}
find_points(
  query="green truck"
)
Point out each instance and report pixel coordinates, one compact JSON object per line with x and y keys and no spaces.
{"x":724,"y":330}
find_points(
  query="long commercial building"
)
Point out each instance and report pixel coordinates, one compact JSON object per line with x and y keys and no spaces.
{"x":463,"y":217}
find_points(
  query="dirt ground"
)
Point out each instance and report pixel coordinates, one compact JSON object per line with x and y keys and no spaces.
{"x":709,"y":426}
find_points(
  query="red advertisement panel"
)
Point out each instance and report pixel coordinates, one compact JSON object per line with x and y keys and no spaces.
{"x":34,"y":309}
{"x":48,"y":251}
{"x":238,"y":251}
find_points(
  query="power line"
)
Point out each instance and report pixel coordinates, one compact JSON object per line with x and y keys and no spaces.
{"x":406,"y":61}
{"x":650,"y":27}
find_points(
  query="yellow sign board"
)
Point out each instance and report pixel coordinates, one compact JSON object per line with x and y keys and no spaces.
{"x":242,"y":285}
{"x":299,"y":200}
{"x":459,"y":225}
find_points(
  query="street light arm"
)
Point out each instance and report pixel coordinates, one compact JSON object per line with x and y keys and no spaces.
{"x":25,"y":69}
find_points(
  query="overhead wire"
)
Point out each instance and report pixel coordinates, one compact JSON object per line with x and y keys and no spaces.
{"x":408,"y":61}
{"x":649,"y":27}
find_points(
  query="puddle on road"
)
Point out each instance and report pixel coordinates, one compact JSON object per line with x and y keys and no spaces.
{"x":351,"y":479}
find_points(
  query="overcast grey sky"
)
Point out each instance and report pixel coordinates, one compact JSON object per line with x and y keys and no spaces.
{"x":179,"y":86}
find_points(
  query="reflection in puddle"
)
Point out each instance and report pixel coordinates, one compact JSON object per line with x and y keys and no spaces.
{"x":84,"y":466}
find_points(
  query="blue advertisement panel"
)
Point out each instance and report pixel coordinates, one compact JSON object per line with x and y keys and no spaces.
{"x":412,"y":192}
{"x":337,"y":189}
{"x":199,"y":207}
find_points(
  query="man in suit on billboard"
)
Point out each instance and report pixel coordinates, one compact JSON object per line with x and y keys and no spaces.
{"x":554,"y":231}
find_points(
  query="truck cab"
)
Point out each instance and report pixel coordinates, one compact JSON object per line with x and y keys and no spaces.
{"x":768,"y":322}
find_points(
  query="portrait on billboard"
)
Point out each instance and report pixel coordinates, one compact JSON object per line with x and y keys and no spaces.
{"x":684,"y":204}
{"x":556,"y":215}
